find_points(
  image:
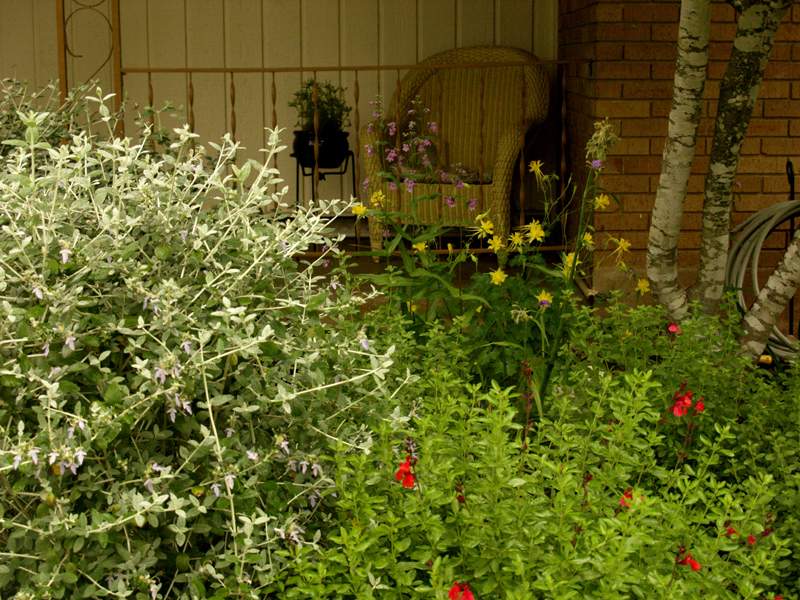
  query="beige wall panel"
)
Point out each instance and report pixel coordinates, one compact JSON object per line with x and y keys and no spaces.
{"x":398,"y":40}
{"x":166,"y":26}
{"x":359,"y":46}
{"x":205,"y":43}
{"x":545,"y":29}
{"x":89,"y":38}
{"x":133,"y":43}
{"x":320,"y":48}
{"x":17,"y":51}
{"x":514,"y":24}
{"x":437,"y":27}
{"x":243,"y":47}
{"x":475,"y":23}
{"x":45,"y":39}
{"x":281,"y":25}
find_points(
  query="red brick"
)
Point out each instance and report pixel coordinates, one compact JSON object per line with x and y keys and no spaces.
{"x":609,"y":51}
{"x":781,"y":146}
{"x":781,"y":51}
{"x":752,"y":145}
{"x":644,"y":127}
{"x":608,"y":13}
{"x":652,"y":13}
{"x":651,"y":51}
{"x":627,"y":146}
{"x":723,"y":32}
{"x":638,"y":203}
{"x":622,"y":108}
{"x":782,"y":108}
{"x":776,"y":184}
{"x":661,"y":108}
{"x":621,"y":221}
{"x":782,"y":70}
{"x":760,"y":164}
{"x":622,"y":70}
{"x":720,"y":51}
{"x":608,"y":89}
{"x":788,"y":32}
{"x":774,"y":89}
{"x":663,"y":70}
{"x":716,"y":69}
{"x":620,"y":184}
{"x":795,"y":51}
{"x":648,"y":89}
{"x":689,"y":258}
{"x":794,"y":128}
{"x":624,"y":32}
{"x":768,"y":127}
{"x":722,"y":11}
{"x":641,"y":164}
{"x":664,"y":32}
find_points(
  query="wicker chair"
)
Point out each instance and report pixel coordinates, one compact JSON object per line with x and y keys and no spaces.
{"x":453,"y":95}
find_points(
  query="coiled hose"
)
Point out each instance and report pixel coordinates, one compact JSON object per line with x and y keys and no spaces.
{"x":747,"y":249}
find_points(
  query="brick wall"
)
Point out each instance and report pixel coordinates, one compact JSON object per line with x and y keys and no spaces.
{"x":632,"y":45}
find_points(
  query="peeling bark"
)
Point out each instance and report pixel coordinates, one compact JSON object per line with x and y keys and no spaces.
{"x":755,"y":36}
{"x":679,"y":149}
{"x":759,"y":321}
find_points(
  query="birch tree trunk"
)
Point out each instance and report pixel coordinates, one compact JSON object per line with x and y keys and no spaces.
{"x":684,"y":118}
{"x":758,"y":24}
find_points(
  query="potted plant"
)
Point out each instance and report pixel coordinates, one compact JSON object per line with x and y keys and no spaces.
{"x":333,"y":117}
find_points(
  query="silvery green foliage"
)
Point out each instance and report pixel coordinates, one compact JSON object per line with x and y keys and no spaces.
{"x":171,"y":375}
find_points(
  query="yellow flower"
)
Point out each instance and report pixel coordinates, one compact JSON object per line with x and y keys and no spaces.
{"x":496,"y":244}
{"x":588,"y":241}
{"x":624,"y":245}
{"x":359,"y":210}
{"x":569,"y":264}
{"x":643,"y":287}
{"x":515,"y":242}
{"x":377,"y":198}
{"x":601,"y":202}
{"x":536,"y":167}
{"x":533,"y":231}
{"x":479,"y":309}
{"x":545,"y":298}
{"x":498,"y":276}
{"x":450,"y":249}
{"x":485,"y":229}
{"x":411,"y":307}
{"x":420,"y":247}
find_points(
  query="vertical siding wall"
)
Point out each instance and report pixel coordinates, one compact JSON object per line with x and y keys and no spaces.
{"x":262,"y":34}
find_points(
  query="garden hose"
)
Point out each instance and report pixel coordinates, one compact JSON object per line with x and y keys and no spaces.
{"x":747,"y":249}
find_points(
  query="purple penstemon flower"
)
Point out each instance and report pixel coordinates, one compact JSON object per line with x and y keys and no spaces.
{"x":406,"y":147}
{"x":409,"y":184}
{"x":369,"y":149}
{"x":432,"y":126}
{"x":392,"y":128}
{"x":597,"y":164}
{"x":366,"y":183}
{"x":450,"y":201}
{"x":472,"y":203}
{"x":393,"y":186}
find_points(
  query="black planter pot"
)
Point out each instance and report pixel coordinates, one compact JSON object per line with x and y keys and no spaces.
{"x":333,"y":148}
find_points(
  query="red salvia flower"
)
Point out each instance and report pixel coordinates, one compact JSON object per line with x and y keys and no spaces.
{"x":682,"y":403}
{"x":404,"y":474}
{"x":460,"y":592}
{"x":751,"y":540}
{"x":628,"y":495}
{"x":673,"y":328}
{"x":699,"y":407}
{"x":688,"y":560}
{"x":731,"y":531}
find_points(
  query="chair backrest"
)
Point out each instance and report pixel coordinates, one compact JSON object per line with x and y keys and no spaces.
{"x":453,"y":95}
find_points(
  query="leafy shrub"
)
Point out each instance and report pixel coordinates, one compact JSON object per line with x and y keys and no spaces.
{"x":171,"y":376}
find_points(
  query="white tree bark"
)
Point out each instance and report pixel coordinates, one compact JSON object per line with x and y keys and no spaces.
{"x":679,"y":149}
{"x":758,"y":24}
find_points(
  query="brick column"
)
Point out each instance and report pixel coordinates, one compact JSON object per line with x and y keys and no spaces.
{"x":632,"y":46}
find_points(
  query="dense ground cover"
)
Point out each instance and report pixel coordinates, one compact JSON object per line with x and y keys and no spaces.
{"x":187,"y":410}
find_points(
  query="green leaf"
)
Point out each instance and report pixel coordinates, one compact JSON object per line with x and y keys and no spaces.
{"x":115,"y":393}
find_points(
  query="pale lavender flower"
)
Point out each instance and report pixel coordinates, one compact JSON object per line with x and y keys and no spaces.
{"x":364,"y":343}
{"x":334,"y":285}
{"x":148,"y":483}
{"x":46,"y":349}
{"x":336,"y":379}
{"x":187,"y":346}
{"x":292,"y":464}
{"x":157,"y":468}
{"x":215,"y":489}
{"x":80,"y":454}
{"x":283,"y":245}
{"x":17,"y":460}
{"x":34,"y":454}
{"x":294,"y":533}
{"x":252,"y":455}
{"x":161,"y":374}
{"x":316,"y":470}
{"x":70,"y":432}
{"x":153,"y":591}
{"x":187,"y":406}
{"x":284,"y":445}
{"x":72,"y":467}
{"x":176,"y":370}
{"x":303,"y":466}
{"x":183,"y":233}
{"x":53,"y":456}
{"x":172,"y":412}
{"x":230,"y":431}
{"x":153,"y":305}
{"x":54,"y":371}
{"x":70,"y":341}
{"x":65,"y":252}
{"x":312,"y":500}
{"x":37,"y":291}
{"x":229,"y":480}
{"x":81,"y":423}
{"x":144,"y":304}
